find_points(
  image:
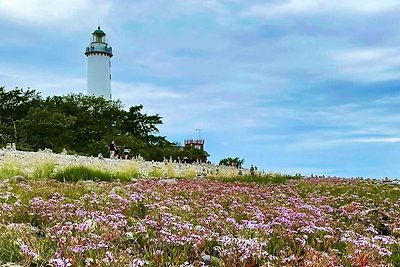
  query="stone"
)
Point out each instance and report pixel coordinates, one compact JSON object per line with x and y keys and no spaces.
{"x":8,"y":146}
{"x":64,"y":152}
{"x":48,"y":150}
{"x":13,"y":147}
{"x":100,"y":156}
{"x":19,"y":178}
{"x":206,"y":259}
{"x":168,"y":181}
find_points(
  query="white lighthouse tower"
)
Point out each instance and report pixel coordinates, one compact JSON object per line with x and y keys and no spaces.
{"x":99,"y":55}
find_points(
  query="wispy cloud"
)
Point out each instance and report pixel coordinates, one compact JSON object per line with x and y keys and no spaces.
{"x":277,"y":9}
{"x":63,"y":15}
{"x":366,"y":64}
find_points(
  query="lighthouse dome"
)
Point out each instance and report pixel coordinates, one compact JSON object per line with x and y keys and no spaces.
{"x":99,"y":32}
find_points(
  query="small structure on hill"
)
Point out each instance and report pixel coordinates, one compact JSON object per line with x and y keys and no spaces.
{"x":197,"y":144}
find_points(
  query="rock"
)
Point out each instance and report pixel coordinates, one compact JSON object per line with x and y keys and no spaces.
{"x":8,"y":146}
{"x":48,"y":150}
{"x":206,"y":259}
{"x":168,"y":181}
{"x":64,"y":152}
{"x":88,"y":185}
{"x":18,"y":178}
{"x":100,"y":156}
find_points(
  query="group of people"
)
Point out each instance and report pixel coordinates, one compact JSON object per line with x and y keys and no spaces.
{"x":115,"y":151}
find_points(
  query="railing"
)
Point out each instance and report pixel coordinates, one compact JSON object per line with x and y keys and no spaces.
{"x":194,"y":142}
{"x":99,"y":49}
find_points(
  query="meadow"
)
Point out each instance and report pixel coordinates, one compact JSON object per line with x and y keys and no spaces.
{"x":48,"y":218}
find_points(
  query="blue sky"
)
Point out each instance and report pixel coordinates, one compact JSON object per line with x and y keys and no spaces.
{"x":308,"y":86}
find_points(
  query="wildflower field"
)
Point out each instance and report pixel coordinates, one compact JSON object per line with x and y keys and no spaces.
{"x":198,"y":222}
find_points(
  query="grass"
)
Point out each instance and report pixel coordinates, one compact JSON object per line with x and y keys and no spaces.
{"x":44,"y":170}
{"x":156,"y":172}
{"x":77,"y":173}
{"x":10,"y":167}
{"x":188,"y":173}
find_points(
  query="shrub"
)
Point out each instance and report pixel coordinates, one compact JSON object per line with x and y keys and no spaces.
{"x":188,"y":173}
{"x":77,"y":173}
{"x":9,"y":249}
{"x":171,"y":171}
{"x":10,"y":167}
{"x":44,"y":170}
{"x":156,"y":172}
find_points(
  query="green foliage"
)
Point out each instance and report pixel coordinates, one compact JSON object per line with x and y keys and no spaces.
{"x":10,"y":167}
{"x":15,"y":105}
{"x":188,"y":173}
{"x":44,"y":122}
{"x":77,"y":173}
{"x":171,"y":171}
{"x":44,"y":170}
{"x":128,"y":173}
{"x":9,"y":249}
{"x":156,"y":172}
{"x":231,"y":162}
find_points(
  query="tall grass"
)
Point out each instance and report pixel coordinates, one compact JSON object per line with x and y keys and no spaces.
{"x":188,"y":173}
{"x":77,"y":173}
{"x":44,"y":170}
{"x":171,"y":173}
{"x":156,"y":172}
{"x":10,"y":167}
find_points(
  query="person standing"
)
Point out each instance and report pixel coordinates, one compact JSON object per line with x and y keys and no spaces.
{"x":112,"y":148}
{"x":126,"y":151}
{"x":252,"y":170}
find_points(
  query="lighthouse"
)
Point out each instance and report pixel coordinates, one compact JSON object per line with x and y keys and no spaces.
{"x":99,"y":55}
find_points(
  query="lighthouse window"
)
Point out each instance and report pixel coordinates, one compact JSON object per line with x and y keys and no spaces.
{"x":110,"y":76}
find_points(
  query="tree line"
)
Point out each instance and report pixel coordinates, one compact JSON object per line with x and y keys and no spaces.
{"x":83,"y":125}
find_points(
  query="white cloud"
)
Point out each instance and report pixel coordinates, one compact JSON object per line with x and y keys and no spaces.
{"x":281,"y":8}
{"x":54,"y":13}
{"x":47,"y":84}
{"x":379,"y":64}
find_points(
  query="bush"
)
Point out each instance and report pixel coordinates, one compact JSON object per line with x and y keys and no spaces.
{"x":188,"y":173}
{"x":77,"y":173}
{"x":9,"y":168}
{"x":44,"y":170}
{"x":156,"y":172}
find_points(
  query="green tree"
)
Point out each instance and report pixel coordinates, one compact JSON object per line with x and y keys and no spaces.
{"x":44,"y":128}
{"x":15,"y":105}
{"x":232,"y":162}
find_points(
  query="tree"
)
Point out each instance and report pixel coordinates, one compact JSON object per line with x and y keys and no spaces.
{"x":15,"y":104}
{"x":232,"y":162}
{"x":44,"y":128}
